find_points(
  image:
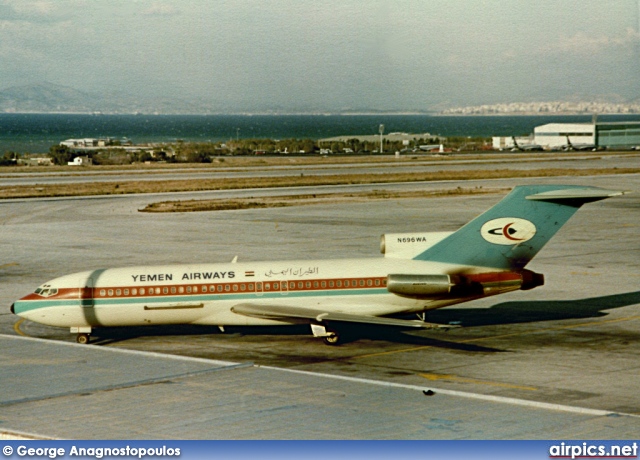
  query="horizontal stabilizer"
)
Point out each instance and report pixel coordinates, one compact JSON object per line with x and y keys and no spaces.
{"x":577,"y":195}
{"x":309,"y":315}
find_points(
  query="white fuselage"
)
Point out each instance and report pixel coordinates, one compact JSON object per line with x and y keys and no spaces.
{"x":205,"y":293}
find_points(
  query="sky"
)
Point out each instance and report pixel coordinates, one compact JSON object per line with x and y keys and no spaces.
{"x":302,"y":55}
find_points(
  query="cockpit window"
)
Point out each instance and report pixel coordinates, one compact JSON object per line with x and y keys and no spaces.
{"x":46,"y":291}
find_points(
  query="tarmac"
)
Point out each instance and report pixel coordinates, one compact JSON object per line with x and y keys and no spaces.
{"x":556,"y":362}
{"x":84,"y":392}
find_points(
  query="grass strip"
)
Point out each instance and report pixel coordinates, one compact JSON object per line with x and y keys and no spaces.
{"x":303,"y":200}
{"x":196,"y":185}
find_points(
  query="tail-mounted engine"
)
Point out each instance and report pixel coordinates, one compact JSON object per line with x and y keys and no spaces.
{"x":442,"y":286}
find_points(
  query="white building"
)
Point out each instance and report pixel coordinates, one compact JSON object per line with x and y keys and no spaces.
{"x":506,"y":142}
{"x":81,"y":161}
{"x":559,"y":135}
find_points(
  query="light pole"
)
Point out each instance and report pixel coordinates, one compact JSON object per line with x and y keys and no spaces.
{"x":381,"y":130}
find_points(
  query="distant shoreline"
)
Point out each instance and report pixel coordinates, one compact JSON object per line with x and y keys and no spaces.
{"x":331,"y":114}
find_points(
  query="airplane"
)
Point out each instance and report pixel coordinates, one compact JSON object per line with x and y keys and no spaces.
{"x":419,"y":272}
{"x":432,"y":148}
{"x":580,"y":147}
{"x":527,"y":147}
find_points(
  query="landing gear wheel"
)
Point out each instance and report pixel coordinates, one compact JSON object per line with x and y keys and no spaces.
{"x":83,"y":339}
{"x":332,"y":340}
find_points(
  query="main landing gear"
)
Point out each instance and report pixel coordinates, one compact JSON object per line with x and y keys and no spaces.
{"x":333,"y":339}
{"x":83,"y":336}
{"x":329,"y":336}
{"x":83,"y":339}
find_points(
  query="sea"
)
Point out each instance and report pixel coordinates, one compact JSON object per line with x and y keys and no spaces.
{"x":35,"y":133}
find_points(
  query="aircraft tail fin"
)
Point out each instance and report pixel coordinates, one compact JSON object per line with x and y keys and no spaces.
{"x":510,"y":234}
{"x":569,"y":144}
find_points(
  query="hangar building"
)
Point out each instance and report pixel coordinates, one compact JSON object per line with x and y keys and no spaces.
{"x":620,"y":134}
{"x":559,"y":135}
{"x":586,"y":136}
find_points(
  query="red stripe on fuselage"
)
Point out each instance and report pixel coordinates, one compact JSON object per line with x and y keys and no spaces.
{"x":247,"y":287}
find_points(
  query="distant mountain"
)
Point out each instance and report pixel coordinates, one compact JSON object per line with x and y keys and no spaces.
{"x":46,"y":97}
{"x":51,"y":98}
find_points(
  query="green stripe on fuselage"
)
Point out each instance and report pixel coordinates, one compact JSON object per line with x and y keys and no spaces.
{"x":29,"y":305}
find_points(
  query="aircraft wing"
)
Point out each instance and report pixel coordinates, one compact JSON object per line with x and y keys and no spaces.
{"x":310,"y":315}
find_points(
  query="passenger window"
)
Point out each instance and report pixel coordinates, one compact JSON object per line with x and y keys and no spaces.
{"x":165,"y":290}
{"x":292,"y":285}
{"x":103,"y":292}
{"x":315,"y":284}
{"x":181,"y":289}
{"x":134,"y":291}
{"x":243,"y":287}
{"x":219,"y":287}
{"x":110,"y":292}
{"x":118,"y":292}
{"x":173,"y":289}
{"x":331,"y":284}
{"x":188,"y":289}
{"x":235,"y":288}
{"x":276,"y":286}
{"x":361,"y":283}
{"x":141,"y":291}
{"x":126,"y":292}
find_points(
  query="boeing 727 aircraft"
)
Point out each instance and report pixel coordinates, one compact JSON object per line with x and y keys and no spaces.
{"x":419,"y":272}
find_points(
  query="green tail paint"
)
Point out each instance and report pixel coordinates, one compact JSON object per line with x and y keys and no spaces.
{"x":510,"y":234}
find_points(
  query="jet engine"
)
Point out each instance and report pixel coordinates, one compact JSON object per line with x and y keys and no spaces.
{"x":480,"y":284}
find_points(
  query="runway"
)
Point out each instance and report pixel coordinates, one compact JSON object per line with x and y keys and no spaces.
{"x":408,"y":164}
{"x":571,"y":343}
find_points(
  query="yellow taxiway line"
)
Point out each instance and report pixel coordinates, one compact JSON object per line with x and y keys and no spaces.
{"x":16,"y":327}
{"x":457,"y":379}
